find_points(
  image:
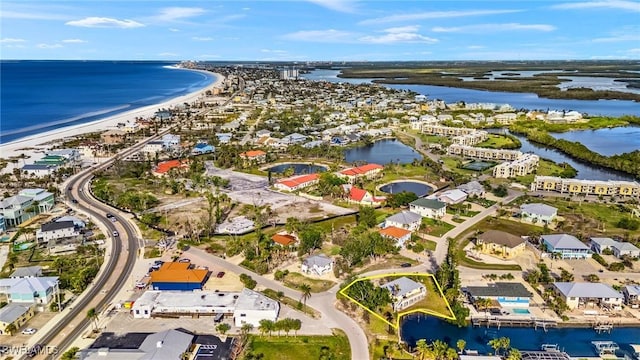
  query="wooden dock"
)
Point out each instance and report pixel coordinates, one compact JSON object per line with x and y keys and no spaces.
{"x":495,"y":321}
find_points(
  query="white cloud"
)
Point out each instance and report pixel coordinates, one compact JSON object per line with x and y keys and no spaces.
{"x":31,"y":15}
{"x":74,"y":41}
{"x":475,"y":47}
{"x":614,"y":4}
{"x":200,"y":38}
{"x":326,"y":36}
{"x":273,"y":51}
{"x":49,"y":46}
{"x":346,"y":6}
{"x":246,"y":8}
{"x":167,"y":54}
{"x":174,"y":30}
{"x":433,"y":15}
{"x":11,"y":40}
{"x":176,"y":13}
{"x":404,"y":34}
{"x":103,"y":22}
{"x":483,"y":28}
{"x":634,"y":51}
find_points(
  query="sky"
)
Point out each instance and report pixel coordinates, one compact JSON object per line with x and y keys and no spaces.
{"x":320,"y":30}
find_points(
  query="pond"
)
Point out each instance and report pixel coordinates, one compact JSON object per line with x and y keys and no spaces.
{"x":298,"y":168}
{"x":418,"y":188}
{"x":607,"y":141}
{"x":383,"y":152}
{"x":575,"y":341}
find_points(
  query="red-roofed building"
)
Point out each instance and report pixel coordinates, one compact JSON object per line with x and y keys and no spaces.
{"x":297,"y":182}
{"x":164,"y":167}
{"x":356,"y":195}
{"x":284,"y":240}
{"x":178,"y":276}
{"x":401,"y":236}
{"x":368,"y":171}
{"x":255,"y":156}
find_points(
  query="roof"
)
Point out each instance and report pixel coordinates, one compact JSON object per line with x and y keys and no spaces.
{"x":58,"y":225}
{"x":27,"y":285}
{"x":12,"y":312}
{"x":298,"y":180}
{"x":405,"y":217}
{"x":76,"y":221}
{"x":394,"y":232}
{"x":178,"y":272}
{"x":454,"y":194}
{"x":357,"y":194}
{"x":16,"y":200}
{"x":405,"y":286}
{"x":539,"y":209}
{"x":509,"y":289}
{"x":140,"y":346}
{"x":318,"y":260}
{"x":633,"y":289}
{"x":165,"y":166}
{"x":252,"y":300}
{"x":501,"y":238}
{"x":166,"y":345}
{"x":284,"y":239}
{"x":361,"y":170}
{"x":27,"y":271}
{"x":586,"y":290}
{"x":181,"y":300}
{"x":564,"y":241}
{"x":253,"y":153}
{"x":621,"y":246}
{"x":428,"y":203}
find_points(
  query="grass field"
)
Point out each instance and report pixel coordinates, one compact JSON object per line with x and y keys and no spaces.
{"x":545,"y":168}
{"x":392,"y":262}
{"x":334,"y":347}
{"x":295,"y":280}
{"x":496,"y":141}
{"x":436,"y":228}
{"x":293,"y":303}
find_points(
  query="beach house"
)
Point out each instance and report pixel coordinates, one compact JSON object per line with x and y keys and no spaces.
{"x":500,"y":243}
{"x":405,"y":292}
{"x":405,"y":220}
{"x":56,"y":230}
{"x":30,"y":290}
{"x":631,"y":295}
{"x":253,"y":157}
{"x":28,"y":203}
{"x":566,"y":246}
{"x":537,"y":212}
{"x":16,"y":315}
{"x":505,"y":294}
{"x":400,"y":235}
{"x":587,"y":294}
{"x":617,"y":248}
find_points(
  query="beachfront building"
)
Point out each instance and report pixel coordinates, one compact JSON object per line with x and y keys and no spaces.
{"x":586,"y":187}
{"x":405,"y":292}
{"x":587,"y":294}
{"x":566,"y":246}
{"x":505,"y":294}
{"x":317,"y":265}
{"x":537,"y":212}
{"x":526,"y":164}
{"x":405,"y":220}
{"x":501,"y":243}
{"x":56,"y":230}
{"x":430,"y":208}
{"x":28,"y":203}
{"x":297,"y":182}
{"x":368,"y":171}
{"x":70,"y":155}
{"x":618,"y":248}
{"x":39,"y":170}
{"x":178,"y":276}
{"x":253,"y":157}
{"x":153,"y":147}
{"x":631,"y":295}
{"x":113,"y":137}
{"x":16,"y":315}
{"x":399,"y":235}
{"x":30,"y":290}
{"x":483,"y":153}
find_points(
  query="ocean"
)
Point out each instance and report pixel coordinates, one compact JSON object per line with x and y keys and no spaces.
{"x":39,"y":96}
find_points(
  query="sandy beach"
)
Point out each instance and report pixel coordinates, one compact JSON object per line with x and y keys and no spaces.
{"x":33,"y":145}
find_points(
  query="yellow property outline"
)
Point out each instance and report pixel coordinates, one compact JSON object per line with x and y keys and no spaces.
{"x":451,"y":316}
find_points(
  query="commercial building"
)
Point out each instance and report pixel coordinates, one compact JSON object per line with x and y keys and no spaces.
{"x":505,"y":294}
{"x":618,"y":248}
{"x":297,"y":182}
{"x":429,"y":208}
{"x":16,"y":315}
{"x":566,"y":246}
{"x":405,"y":292}
{"x":526,"y":164}
{"x":447,"y":131}
{"x":253,"y":307}
{"x":471,"y":139}
{"x":500,"y":243}
{"x":178,"y":276}
{"x":317,"y":265}
{"x":586,"y":187}
{"x":483,"y":153}
{"x":584,"y":295}
{"x":537,"y":212}
{"x":163,"y":345}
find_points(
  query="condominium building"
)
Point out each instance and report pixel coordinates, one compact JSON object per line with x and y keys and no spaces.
{"x":446,"y":130}
{"x":524,"y":165}
{"x":482,"y":153}
{"x":471,"y":139}
{"x":586,"y":187}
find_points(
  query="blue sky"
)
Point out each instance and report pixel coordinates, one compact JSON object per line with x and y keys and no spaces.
{"x":337,"y":30}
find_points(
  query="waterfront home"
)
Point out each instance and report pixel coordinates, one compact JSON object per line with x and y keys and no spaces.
{"x":359,"y":196}
{"x":317,"y":265}
{"x":163,"y":168}
{"x":500,"y":243}
{"x":71,"y":155}
{"x":56,"y":230}
{"x":405,"y":292}
{"x":28,"y":203}
{"x":454,"y":196}
{"x":587,"y":294}
{"x":253,"y":157}
{"x":505,"y":294}
{"x":202,"y":148}
{"x":404,"y":220}
{"x":631,"y":295}
{"x":368,"y":171}
{"x":284,"y":240}
{"x":473,"y":188}
{"x":618,"y":248}
{"x":586,"y":187}
{"x":297,"y":182}
{"x":483,"y":153}
{"x":566,"y":246}
{"x":26,"y":271}
{"x":538,"y":212}
{"x":16,"y":315}
{"x":400,"y":235}
{"x":30,"y":290}
{"x":113,"y":137}
{"x":429,"y":208}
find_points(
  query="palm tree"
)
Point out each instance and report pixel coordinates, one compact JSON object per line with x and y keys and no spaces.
{"x":223,"y":328}
{"x":266,"y":326}
{"x":422,"y":348}
{"x":246,"y":328}
{"x":306,"y":293}
{"x":92,"y":315}
{"x":461,"y":344}
{"x":10,"y":329}
{"x":514,"y":354}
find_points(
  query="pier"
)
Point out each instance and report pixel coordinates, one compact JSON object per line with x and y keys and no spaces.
{"x":603,"y":327}
{"x":495,"y":321}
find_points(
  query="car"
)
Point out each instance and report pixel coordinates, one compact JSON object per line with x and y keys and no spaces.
{"x":140,"y":285}
{"x":185,"y":260}
{"x":158,"y":262}
{"x":405,"y":265}
{"x":115,"y":234}
{"x":70,"y":188}
{"x":220,"y":274}
{"x":35,"y":350}
{"x":74,"y":201}
{"x":4,"y":349}
{"x":29,"y":331}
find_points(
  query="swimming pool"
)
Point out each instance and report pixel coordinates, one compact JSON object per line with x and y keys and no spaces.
{"x":520,"y":311}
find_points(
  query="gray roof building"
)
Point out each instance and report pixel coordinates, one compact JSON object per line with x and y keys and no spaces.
{"x":405,"y":217}
{"x":27,"y":271}
{"x":164,"y":345}
{"x":564,"y":241}
{"x":472,"y":188}
{"x":586,"y":290}
{"x":252,"y":300}
{"x":429,"y":203}
{"x":543,"y":210}
{"x":317,"y":260}
{"x":508,"y":289}
{"x":404,"y":286}
{"x":500,"y":238}
{"x":12,"y":312}
{"x":58,"y":225}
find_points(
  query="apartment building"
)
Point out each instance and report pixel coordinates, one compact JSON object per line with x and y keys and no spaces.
{"x":524,"y":165}
{"x":471,"y":139}
{"x":586,"y":187}
{"x":446,"y":130}
{"x":482,"y":153}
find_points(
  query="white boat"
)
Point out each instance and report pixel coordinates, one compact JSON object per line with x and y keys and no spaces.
{"x":550,"y":347}
{"x":605,"y":347}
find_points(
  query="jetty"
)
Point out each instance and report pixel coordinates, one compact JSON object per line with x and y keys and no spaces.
{"x":603,"y":327}
{"x":496,"y":321}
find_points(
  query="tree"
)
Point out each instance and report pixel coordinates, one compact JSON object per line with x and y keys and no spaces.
{"x":501,"y":343}
{"x":514,"y":354}
{"x":10,"y":329}
{"x":310,"y":239}
{"x":367,"y":216}
{"x":422,"y":348}
{"x":223,"y":328}
{"x":305,"y":289}
{"x":246,"y":328}
{"x":266,"y":326}
{"x":70,"y":354}
{"x":92,"y":315}
{"x":296,"y":325}
{"x":400,"y":199}
{"x":461,"y":344}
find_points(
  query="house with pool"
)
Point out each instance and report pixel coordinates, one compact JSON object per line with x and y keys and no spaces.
{"x":504,"y":294}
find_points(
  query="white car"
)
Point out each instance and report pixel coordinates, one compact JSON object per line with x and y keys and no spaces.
{"x":29,"y":331}
{"x":115,"y":234}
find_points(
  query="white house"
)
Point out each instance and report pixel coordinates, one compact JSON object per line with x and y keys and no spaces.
{"x":404,"y":220}
{"x":401,"y":236}
{"x":56,"y":230}
{"x":317,"y":265}
{"x":578,"y":294}
{"x":405,"y":292}
{"x":473,"y":188}
{"x":252,"y":307}
{"x":454,"y":196}
{"x":153,"y":147}
{"x":537,"y":212}
{"x":618,"y":248}
{"x":430,"y":208}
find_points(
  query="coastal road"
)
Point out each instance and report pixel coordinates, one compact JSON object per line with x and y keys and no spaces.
{"x":323,"y":302}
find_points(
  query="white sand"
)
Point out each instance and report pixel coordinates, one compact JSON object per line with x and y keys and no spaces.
{"x":33,"y":145}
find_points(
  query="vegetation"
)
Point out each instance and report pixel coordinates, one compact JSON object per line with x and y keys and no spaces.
{"x":297,"y":281}
{"x":369,"y":295}
{"x":248,"y":281}
{"x":496,"y":141}
{"x":293,"y":303}
{"x":401,"y":199}
{"x":334,"y":347}
{"x":448,"y":277}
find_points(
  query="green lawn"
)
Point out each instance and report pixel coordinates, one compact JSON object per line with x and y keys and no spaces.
{"x":295,"y":280}
{"x":546,"y":168}
{"x":435,"y":227}
{"x":391,"y":262}
{"x":293,"y":303}
{"x":334,"y":347}
{"x":496,"y":141}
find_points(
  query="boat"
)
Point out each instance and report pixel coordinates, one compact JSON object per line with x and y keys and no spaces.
{"x":605,"y":347}
{"x":550,"y":347}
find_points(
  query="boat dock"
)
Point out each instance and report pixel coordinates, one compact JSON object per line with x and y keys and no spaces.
{"x":605,"y":347}
{"x":495,"y":321}
{"x":603,"y":327}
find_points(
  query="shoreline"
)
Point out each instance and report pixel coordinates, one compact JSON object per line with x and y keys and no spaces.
{"x":30,"y":144}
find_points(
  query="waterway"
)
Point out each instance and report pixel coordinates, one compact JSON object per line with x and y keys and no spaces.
{"x":415,"y":187}
{"x":606,"y":141}
{"x":575,"y":341}
{"x":298,"y":168}
{"x":383,"y":152}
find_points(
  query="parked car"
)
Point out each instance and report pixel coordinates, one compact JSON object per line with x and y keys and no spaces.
{"x":185,"y":260}
{"x":140,"y":285}
{"x":158,"y":262}
{"x":220,"y":274}
{"x":405,"y":265}
{"x":29,"y":331}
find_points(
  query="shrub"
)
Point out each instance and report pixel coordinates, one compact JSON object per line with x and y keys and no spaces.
{"x":599,"y":259}
{"x":618,"y":266}
{"x":248,"y":281}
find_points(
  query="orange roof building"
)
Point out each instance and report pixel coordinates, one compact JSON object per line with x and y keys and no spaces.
{"x":164,"y":167}
{"x":400,"y":235}
{"x":252,"y":154}
{"x":178,"y":276}
{"x":297,"y":182}
{"x":361,"y":196}
{"x":367,"y":171}
{"x":284,"y":239}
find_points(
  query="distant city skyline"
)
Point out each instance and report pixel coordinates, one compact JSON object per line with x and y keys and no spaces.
{"x":320,"y":30}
